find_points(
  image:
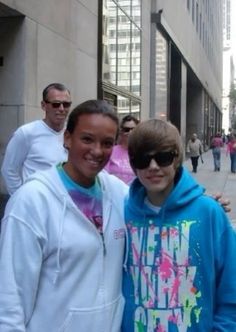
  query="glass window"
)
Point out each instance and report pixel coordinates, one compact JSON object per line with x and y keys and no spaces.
{"x":109,"y":45}
{"x":125,"y":5}
{"x":136,"y":12}
{"x":135,"y":60}
{"x":135,"y":109}
{"x":161,"y":73}
{"x":123,"y":105}
{"x":121,"y":52}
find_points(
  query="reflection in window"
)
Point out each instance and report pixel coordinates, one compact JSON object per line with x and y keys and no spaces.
{"x":135,"y":109}
{"x":161,"y":73}
{"x":121,"y":48}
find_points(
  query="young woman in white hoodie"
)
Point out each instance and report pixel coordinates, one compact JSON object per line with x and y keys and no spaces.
{"x":62,"y":237}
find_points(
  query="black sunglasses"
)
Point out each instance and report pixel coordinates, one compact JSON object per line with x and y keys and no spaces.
{"x":57,"y":104}
{"x":127,"y":129}
{"x":163,"y":159}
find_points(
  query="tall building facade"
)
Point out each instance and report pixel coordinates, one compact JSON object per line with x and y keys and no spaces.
{"x":186,"y":40}
{"x":228,"y":65}
{"x":152,"y":58}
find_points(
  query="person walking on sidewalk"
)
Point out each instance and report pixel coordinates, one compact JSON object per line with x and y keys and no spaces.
{"x":216,"y":145}
{"x":194,"y":149}
{"x":231,"y":149}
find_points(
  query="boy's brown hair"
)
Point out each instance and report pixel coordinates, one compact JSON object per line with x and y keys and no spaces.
{"x":155,"y":135}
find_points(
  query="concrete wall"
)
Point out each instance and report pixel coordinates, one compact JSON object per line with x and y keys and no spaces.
{"x":61,"y":45}
{"x":12,"y":100}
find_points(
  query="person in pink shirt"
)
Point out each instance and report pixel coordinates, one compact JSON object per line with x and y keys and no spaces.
{"x":216,"y":144}
{"x":231,"y":150}
{"x":119,"y":161}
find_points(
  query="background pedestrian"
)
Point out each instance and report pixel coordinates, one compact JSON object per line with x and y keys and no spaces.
{"x":194,"y":149}
{"x":119,"y":161}
{"x":216,"y":145}
{"x":39,"y":144}
{"x":231,"y":150}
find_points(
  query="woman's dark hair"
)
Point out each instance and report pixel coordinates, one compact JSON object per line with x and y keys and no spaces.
{"x":91,"y":107}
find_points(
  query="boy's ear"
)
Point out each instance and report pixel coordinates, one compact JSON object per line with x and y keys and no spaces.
{"x":177,"y":165}
{"x":67,"y":140}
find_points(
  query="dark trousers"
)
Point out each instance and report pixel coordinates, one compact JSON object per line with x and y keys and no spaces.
{"x":233,"y":162}
{"x":195,"y":163}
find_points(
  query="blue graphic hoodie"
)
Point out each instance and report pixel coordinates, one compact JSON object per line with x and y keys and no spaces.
{"x":180,"y":267}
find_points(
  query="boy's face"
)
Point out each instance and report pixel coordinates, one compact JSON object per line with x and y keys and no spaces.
{"x":90,"y":147}
{"x":158,"y":180}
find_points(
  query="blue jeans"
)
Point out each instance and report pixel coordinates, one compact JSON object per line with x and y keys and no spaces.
{"x":233,"y":162}
{"x":216,"y":156}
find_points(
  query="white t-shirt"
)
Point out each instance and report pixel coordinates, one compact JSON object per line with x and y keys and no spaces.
{"x":33,"y":146}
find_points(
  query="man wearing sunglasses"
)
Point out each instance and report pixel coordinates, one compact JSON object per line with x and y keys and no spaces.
{"x":180,"y":267}
{"x":38,"y":144}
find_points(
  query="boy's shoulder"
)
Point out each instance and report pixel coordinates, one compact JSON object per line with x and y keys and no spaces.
{"x":208,"y":201}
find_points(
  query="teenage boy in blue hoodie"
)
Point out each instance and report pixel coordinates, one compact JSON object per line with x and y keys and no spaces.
{"x":181,"y":267}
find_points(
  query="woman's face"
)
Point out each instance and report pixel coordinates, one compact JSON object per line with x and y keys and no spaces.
{"x":89,"y":147}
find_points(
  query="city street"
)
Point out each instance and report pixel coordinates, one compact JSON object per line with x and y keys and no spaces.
{"x":217,"y":182}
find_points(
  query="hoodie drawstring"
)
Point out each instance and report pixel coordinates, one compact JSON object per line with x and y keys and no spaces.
{"x":126,"y":249}
{"x":62,"y":221}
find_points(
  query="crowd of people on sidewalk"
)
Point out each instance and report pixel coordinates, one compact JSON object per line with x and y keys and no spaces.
{"x":217,"y":142}
{"x":81,"y":250}
{"x":194,"y":150}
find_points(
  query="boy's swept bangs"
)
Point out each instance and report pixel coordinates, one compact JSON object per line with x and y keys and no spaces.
{"x":155,"y":135}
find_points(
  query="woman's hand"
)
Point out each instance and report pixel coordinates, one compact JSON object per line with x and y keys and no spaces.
{"x":225,"y":203}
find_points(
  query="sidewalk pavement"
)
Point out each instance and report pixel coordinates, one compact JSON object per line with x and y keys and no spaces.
{"x":223,"y":182}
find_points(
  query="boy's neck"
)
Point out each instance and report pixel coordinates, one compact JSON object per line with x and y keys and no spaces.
{"x":157,"y":198}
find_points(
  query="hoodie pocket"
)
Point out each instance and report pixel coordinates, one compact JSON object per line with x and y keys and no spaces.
{"x":105,"y":318}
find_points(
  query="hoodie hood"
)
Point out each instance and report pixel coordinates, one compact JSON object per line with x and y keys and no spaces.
{"x":51,"y":179}
{"x":186,"y":189}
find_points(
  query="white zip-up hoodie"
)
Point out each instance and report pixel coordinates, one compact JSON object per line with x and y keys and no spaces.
{"x":56,"y":274}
